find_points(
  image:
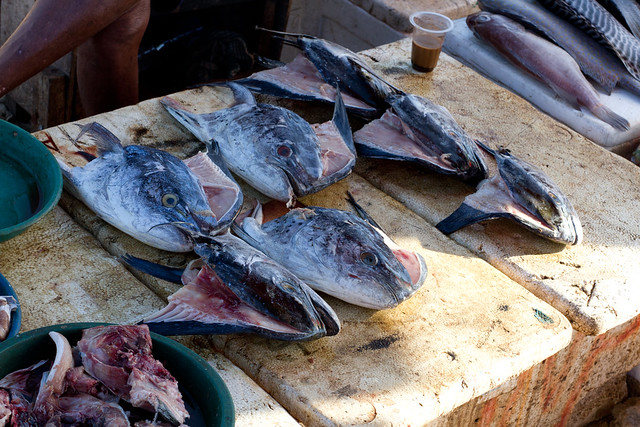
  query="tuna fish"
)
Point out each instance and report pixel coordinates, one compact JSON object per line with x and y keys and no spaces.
{"x":338,"y":253}
{"x":144,"y":192}
{"x":626,"y":12}
{"x":234,"y":288}
{"x":273,"y":149}
{"x":544,"y":60}
{"x":416,"y":129}
{"x":594,"y":59}
{"x":523,"y":193}
{"x":600,"y":24}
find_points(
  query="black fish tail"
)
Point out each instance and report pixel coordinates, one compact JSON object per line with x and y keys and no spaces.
{"x":461,"y":217}
{"x":360,"y":210}
{"x":170,"y":274}
{"x":341,"y":121}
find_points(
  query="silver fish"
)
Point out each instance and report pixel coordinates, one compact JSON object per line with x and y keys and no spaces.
{"x":625,"y":11}
{"x":544,"y":60}
{"x":234,"y":288}
{"x":272,"y":148}
{"x":594,"y":59}
{"x":341,"y":67}
{"x":523,"y":193}
{"x":598,"y":22}
{"x":338,"y":253}
{"x":143,"y":192}
{"x":416,"y":129}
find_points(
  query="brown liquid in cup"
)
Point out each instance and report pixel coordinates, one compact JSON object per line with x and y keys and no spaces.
{"x":425,"y":51}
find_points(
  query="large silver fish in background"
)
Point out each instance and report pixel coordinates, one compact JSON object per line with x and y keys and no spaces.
{"x":600,"y":24}
{"x":416,"y":129}
{"x":234,"y":288}
{"x":144,"y":192}
{"x":594,"y":59}
{"x":338,"y":253}
{"x":523,"y":193}
{"x":272,"y":148}
{"x":544,"y":60}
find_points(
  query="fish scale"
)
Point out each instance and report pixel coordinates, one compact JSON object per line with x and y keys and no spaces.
{"x":597,"y":21}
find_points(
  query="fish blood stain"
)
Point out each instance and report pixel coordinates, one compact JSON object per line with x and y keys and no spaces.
{"x":21,"y":197}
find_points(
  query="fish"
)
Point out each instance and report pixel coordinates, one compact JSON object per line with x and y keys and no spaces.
{"x":418,"y":130}
{"x":600,"y":24}
{"x":272,"y":148}
{"x":626,"y":12}
{"x":300,"y":79}
{"x":594,"y":59}
{"x":545,"y":61}
{"x":120,"y":356}
{"x":7,"y":305}
{"x":523,"y":193}
{"x":144,"y":191}
{"x":338,"y":253}
{"x":342,"y":67}
{"x":20,"y":388}
{"x":234,"y":288}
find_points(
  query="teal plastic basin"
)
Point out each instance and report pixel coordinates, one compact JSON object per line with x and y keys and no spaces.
{"x":205,"y":394}
{"x":30,"y":180}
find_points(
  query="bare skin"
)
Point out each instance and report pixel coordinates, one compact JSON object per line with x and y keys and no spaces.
{"x":107,"y":35}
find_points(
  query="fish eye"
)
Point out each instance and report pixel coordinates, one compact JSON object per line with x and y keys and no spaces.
{"x":369,"y":258}
{"x":170,"y":200}
{"x":484,"y":18}
{"x":284,"y":151}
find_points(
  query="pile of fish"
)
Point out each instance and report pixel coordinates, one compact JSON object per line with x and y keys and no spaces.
{"x":110,"y":378}
{"x":7,"y":305}
{"x":263,"y":271}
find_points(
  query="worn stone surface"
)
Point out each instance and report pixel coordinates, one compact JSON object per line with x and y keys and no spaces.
{"x":594,"y":284}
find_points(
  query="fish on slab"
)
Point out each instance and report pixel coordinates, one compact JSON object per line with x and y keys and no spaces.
{"x":272,"y":148}
{"x":545,"y":61}
{"x":626,"y":12}
{"x":145,"y":192}
{"x":338,"y":253}
{"x":595,"y":60}
{"x":604,"y":27}
{"x":521,"y":192}
{"x":234,"y":288}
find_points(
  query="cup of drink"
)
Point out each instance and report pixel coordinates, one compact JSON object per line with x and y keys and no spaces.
{"x":429,"y":30}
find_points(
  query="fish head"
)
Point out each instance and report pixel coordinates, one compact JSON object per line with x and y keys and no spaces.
{"x":449,"y":148}
{"x":165,"y":194}
{"x":367,"y":270}
{"x":234,"y":287}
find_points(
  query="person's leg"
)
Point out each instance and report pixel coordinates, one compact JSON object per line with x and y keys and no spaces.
{"x":108,"y":63}
{"x":53,"y":28}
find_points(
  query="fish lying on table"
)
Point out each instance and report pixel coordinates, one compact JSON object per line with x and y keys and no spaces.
{"x":116,"y":363}
{"x":600,"y":24}
{"x":7,"y":305}
{"x":234,"y":288}
{"x":338,"y":253}
{"x":272,"y":148}
{"x":144,"y":191}
{"x":523,"y":193}
{"x":418,"y":130}
{"x":544,"y":60}
{"x":626,"y":12}
{"x":594,"y":59}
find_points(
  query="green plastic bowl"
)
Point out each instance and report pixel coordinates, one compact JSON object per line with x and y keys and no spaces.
{"x":30,"y":180}
{"x":205,"y":394}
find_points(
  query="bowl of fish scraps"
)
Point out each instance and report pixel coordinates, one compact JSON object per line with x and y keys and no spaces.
{"x":106,"y":374}
{"x":30,"y":180}
{"x":10,"y":313}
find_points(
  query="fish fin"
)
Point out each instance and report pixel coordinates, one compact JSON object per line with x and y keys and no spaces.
{"x":170,"y":274}
{"x":341,"y":121}
{"x":194,"y":123}
{"x":360,"y":210}
{"x":241,"y":94}
{"x":607,"y":115}
{"x":329,"y":317}
{"x":461,"y":217}
{"x":106,"y":141}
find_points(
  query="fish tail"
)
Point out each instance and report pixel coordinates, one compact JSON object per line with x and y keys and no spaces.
{"x":461,"y":217}
{"x":607,"y":115}
{"x":163,"y":272}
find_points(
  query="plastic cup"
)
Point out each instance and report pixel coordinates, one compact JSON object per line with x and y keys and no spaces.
{"x":429,"y":30}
